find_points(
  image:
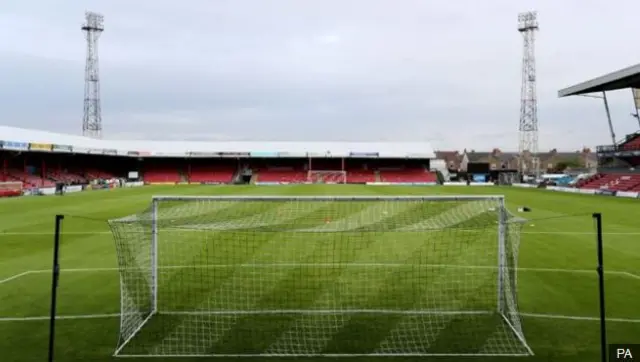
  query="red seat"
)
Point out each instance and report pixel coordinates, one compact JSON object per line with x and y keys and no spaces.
{"x":29,"y":180}
{"x":285,"y":175}
{"x":407,"y":175}
{"x":613,"y":182}
{"x":161,"y":175}
{"x":66,"y":177}
{"x":211,"y":174}
{"x":360,"y":176}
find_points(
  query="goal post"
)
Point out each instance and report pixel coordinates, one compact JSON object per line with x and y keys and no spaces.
{"x":326,"y":177}
{"x":227,"y":276}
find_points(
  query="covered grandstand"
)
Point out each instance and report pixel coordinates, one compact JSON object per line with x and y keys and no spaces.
{"x":618,"y":162}
{"x":38,"y":159}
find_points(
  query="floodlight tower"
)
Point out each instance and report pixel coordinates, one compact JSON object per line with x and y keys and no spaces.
{"x":528,"y":129}
{"x":92,"y":120}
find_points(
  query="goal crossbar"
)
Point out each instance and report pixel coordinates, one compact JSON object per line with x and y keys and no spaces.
{"x":329,"y":198}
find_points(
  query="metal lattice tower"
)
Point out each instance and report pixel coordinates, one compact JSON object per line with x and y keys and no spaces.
{"x":528,"y":129}
{"x":92,"y":120}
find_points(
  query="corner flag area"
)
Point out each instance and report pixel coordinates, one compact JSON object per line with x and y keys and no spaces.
{"x":557,"y":282}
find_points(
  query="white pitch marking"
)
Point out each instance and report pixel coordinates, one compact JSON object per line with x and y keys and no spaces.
{"x":117,"y":315}
{"x":578,"y":318}
{"x":60,"y":317}
{"x":577,"y":233}
{"x":15,"y":276}
{"x":631,"y":275}
{"x":328,"y":265}
{"x":198,"y":230}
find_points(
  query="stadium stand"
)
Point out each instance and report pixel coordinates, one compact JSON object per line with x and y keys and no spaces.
{"x":29,"y":177}
{"x":632,"y":142}
{"x":360,"y":176}
{"x":161,"y":171}
{"x":407,"y":175}
{"x":632,"y":145}
{"x":42,"y":170}
{"x":613,"y":182}
{"x":409,"y":171}
{"x":66,"y":177}
{"x":211,"y":173}
{"x":94,"y":173}
{"x":75,"y":160}
{"x":617,"y":166}
{"x":281,"y":175}
{"x":158,"y":175}
{"x":278,"y":170}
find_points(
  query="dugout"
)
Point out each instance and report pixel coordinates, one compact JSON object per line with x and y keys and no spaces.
{"x":478,"y":172}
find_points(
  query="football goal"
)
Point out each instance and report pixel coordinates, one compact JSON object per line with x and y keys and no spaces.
{"x":227,"y":276}
{"x":10,"y":188}
{"x":327,"y":177}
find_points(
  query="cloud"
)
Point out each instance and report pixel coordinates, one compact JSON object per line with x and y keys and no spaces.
{"x":447,"y":73}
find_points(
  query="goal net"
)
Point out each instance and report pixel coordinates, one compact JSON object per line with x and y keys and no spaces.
{"x":319,"y":276}
{"x":327,"y":177}
{"x":10,"y":188}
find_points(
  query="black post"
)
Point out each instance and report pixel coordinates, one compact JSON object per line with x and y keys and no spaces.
{"x":603,"y":327}
{"x":54,"y":284}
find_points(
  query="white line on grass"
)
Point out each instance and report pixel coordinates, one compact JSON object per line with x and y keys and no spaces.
{"x":328,"y":265}
{"x":60,"y":317}
{"x":117,"y":315}
{"x":577,"y":232}
{"x":631,"y":275}
{"x":578,"y":318}
{"x":15,"y":276}
{"x":200,"y":230}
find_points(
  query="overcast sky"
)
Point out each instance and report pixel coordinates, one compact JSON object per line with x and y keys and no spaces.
{"x":447,"y":72}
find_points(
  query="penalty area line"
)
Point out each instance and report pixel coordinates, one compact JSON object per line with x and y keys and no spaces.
{"x":329,"y":265}
{"x":630,"y":275}
{"x":578,"y":318}
{"x":13,"y":277}
{"x":117,"y":315}
{"x":60,"y":317}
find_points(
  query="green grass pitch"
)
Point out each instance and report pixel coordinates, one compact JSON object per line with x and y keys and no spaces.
{"x":557,"y":281}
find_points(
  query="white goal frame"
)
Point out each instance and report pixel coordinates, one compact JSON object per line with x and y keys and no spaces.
{"x":502,"y":270}
{"x":342,"y":175}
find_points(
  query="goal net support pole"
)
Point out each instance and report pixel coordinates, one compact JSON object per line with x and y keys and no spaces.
{"x":502,"y":263}
{"x":333,"y":276}
{"x":154,"y":257}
